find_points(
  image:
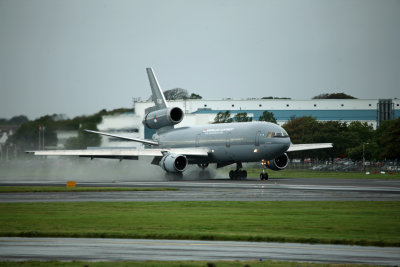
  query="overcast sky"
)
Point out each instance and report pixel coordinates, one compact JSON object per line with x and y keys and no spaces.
{"x":78,"y":57}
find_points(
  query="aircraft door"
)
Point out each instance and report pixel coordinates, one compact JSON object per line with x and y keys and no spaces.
{"x":228,"y":139}
{"x":258,"y":137}
{"x":198,"y":140}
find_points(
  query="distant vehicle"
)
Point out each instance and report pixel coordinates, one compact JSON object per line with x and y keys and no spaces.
{"x":224,"y":144}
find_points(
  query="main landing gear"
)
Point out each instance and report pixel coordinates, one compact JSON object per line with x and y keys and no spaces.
{"x":238,"y":174}
{"x":264,"y":174}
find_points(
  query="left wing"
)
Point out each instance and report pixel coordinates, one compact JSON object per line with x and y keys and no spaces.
{"x":301,"y":147}
{"x":123,"y":153}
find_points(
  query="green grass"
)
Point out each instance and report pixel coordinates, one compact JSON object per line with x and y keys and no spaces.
{"x":255,"y":173}
{"x":13,"y":189}
{"x":361,"y":223}
{"x":173,"y":264}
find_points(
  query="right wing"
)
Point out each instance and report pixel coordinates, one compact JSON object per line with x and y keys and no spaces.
{"x":301,"y":147}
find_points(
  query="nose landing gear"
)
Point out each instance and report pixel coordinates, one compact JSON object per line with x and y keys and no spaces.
{"x":238,"y":174}
{"x":264,"y":174}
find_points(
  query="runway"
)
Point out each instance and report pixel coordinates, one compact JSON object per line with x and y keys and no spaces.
{"x":86,"y":249}
{"x":204,"y":190}
{"x":300,"y":189}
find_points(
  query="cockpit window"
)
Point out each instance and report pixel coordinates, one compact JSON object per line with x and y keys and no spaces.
{"x":277,"y":134}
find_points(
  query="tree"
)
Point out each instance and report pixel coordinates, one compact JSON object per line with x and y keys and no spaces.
{"x":267,"y":116}
{"x":334,"y":96}
{"x":84,"y":139}
{"x":16,"y":120}
{"x":388,"y":137}
{"x":223,"y":117}
{"x":195,"y":96}
{"x":242,"y":117}
{"x":176,"y":93}
{"x":27,"y":135}
{"x":301,"y":129}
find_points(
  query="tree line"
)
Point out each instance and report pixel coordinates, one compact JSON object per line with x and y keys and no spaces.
{"x":349,"y":139}
{"x":29,"y":133}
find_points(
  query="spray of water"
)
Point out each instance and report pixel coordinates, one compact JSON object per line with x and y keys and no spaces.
{"x":61,"y":169}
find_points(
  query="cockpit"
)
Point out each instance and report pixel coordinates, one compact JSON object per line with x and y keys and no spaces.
{"x":281,"y":134}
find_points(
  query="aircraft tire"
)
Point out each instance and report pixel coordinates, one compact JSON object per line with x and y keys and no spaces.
{"x":232,"y":175}
{"x":238,"y":175}
{"x":263,"y":176}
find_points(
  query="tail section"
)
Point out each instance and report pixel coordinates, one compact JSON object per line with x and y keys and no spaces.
{"x":160,"y":116}
{"x":157,"y":94}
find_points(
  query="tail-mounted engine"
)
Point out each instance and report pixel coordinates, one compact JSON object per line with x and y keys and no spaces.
{"x":279,"y":163}
{"x":173,"y":163}
{"x":163,"y":117}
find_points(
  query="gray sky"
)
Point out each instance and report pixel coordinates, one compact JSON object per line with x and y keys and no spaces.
{"x":77,"y":57}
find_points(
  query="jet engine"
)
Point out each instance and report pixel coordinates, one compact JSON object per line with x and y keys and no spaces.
{"x":163,"y":117}
{"x":173,"y":163}
{"x":279,"y":163}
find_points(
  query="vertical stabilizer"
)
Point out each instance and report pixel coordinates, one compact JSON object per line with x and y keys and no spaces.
{"x":157,"y":94}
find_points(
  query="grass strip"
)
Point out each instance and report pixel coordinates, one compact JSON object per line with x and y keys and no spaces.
{"x":15,"y":189}
{"x":175,"y":264}
{"x":354,"y":223}
{"x":255,"y":173}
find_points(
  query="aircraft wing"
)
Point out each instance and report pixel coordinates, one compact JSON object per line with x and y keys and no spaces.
{"x":123,"y":153}
{"x":300,"y":147}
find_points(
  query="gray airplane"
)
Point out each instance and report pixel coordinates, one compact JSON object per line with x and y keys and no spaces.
{"x":224,"y":144}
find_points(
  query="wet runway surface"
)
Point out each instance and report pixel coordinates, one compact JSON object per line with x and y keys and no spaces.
{"x":224,"y":190}
{"x":87,"y":249}
{"x":17,"y":249}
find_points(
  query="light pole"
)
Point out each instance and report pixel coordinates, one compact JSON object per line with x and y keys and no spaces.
{"x":364,"y":155}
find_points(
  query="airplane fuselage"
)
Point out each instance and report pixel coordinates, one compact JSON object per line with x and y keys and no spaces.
{"x":230,"y":142}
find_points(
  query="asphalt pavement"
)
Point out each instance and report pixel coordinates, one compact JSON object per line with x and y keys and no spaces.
{"x":90,"y":249}
{"x":224,"y":190}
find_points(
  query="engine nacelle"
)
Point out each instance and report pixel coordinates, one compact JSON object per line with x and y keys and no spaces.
{"x":173,"y":163}
{"x":163,"y":117}
{"x":279,"y":163}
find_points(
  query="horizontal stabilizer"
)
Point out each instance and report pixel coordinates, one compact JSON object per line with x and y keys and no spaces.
{"x":143,"y":141}
{"x":301,"y":147}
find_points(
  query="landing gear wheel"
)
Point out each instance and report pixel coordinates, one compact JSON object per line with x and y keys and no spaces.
{"x":263,"y":176}
{"x":238,"y":175}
